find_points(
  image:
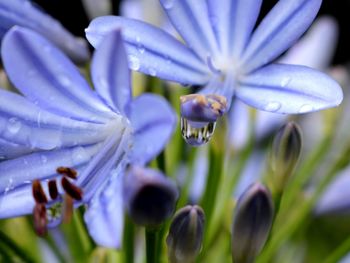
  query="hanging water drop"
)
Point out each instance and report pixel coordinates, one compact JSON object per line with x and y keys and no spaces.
{"x":272,"y":106}
{"x":306,"y":108}
{"x":197,"y":133}
{"x":14,"y":125}
{"x":134,"y":62}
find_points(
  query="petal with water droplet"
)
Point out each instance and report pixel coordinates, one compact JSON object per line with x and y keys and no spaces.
{"x":308,"y":90}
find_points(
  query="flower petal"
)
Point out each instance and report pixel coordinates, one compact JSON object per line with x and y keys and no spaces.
{"x":314,"y":50}
{"x":233,"y":22}
{"x":105,"y":215}
{"x":23,"y":13}
{"x":154,"y":121}
{"x":282,"y":26}
{"x":113,"y":153}
{"x":10,"y":150}
{"x":191,"y":20}
{"x":24,"y":123}
{"x":151,"y":50}
{"x":41,"y":72}
{"x":110,"y":72}
{"x":42,"y":165}
{"x":289,"y":89}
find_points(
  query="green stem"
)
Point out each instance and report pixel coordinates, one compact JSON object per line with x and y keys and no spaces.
{"x":6,"y":241}
{"x":128,"y":242}
{"x":151,"y":246}
{"x":339,"y":253}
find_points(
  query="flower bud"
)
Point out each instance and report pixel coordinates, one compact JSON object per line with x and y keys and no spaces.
{"x":186,"y":234}
{"x":252,"y":223}
{"x":150,"y":197}
{"x":285,"y":152}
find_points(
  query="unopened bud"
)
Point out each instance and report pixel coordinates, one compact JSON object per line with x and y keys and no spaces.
{"x":252,"y":223}
{"x":186,"y":234}
{"x":285,"y":152}
{"x":150,"y":197}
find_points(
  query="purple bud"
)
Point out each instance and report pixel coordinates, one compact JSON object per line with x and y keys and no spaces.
{"x":186,"y":234}
{"x":150,"y":197}
{"x":252,"y":223}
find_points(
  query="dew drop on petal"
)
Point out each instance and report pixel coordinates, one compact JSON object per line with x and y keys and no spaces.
{"x":197,"y":133}
{"x":306,"y":108}
{"x":285,"y":81}
{"x":168,"y":4}
{"x":13,"y":125}
{"x":272,"y":106}
{"x":64,"y":80}
{"x":79,"y":155}
{"x":152,"y":72}
{"x":134,"y":62}
{"x":43,"y":159}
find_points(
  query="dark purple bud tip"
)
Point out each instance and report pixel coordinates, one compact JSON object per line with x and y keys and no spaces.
{"x":150,"y":197}
{"x":185,"y":236}
{"x":203,"y":108}
{"x":252,"y":222}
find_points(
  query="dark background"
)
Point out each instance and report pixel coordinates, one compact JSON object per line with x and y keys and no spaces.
{"x":72,"y":15}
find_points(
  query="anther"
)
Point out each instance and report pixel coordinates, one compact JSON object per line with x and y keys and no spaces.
{"x":53,"y":191}
{"x":38,"y":192}
{"x":72,"y":190}
{"x":69,"y":172}
{"x":40,"y":220}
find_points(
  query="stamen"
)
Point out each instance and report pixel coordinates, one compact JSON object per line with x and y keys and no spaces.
{"x":69,"y":172}
{"x":40,"y":220}
{"x":72,"y":190}
{"x":53,"y":191}
{"x":67,"y":208}
{"x":38,"y":192}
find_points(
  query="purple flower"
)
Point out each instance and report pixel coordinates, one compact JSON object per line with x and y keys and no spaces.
{"x":61,"y":121}
{"x":24,"y":13}
{"x":222,"y":53}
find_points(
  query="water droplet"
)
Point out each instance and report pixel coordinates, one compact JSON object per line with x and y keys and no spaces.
{"x":9,"y":186}
{"x":152,"y":72}
{"x":14,"y":125}
{"x":102,"y":82}
{"x":54,"y":215}
{"x":64,"y":80}
{"x":272,"y":106}
{"x":43,"y":159}
{"x":285,"y":81}
{"x":168,"y":4}
{"x":197,"y":133}
{"x":79,"y":155}
{"x":134,"y":62}
{"x":306,"y":108}
{"x":140,"y":47}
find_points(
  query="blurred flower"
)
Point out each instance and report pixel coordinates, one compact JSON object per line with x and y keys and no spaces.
{"x":252,"y":223}
{"x":185,"y":236}
{"x":61,"y":121}
{"x":222,"y":54}
{"x":24,"y":13}
{"x":149,"y":196}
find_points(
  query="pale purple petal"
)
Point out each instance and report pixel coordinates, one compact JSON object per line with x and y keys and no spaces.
{"x":233,"y":22}
{"x":282,"y":26}
{"x":151,"y":50}
{"x":24,"y":123}
{"x":112,"y":154}
{"x":110,"y":72}
{"x":47,"y":77}
{"x":42,"y":165}
{"x":289,"y":89}
{"x":10,"y":150}
{"x":191,"y":20}
{"x":314,"y":49}
{"x":105,"y":215}
{"x":154,"y":121}
{"x":23,"y":13}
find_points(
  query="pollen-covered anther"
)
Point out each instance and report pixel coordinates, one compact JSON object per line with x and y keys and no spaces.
{"x":53,"y":190}
{"x":69,"y":172}
{"x":75,"y":192}
{"x":40,"y":219}
{"x":38,"y":192}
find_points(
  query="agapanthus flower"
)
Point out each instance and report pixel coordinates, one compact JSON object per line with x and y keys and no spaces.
{"x":24,"y":13}
{"x":61,"y":122}
{"x":221,"y":52}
